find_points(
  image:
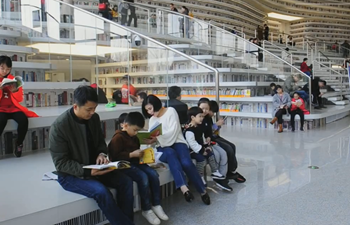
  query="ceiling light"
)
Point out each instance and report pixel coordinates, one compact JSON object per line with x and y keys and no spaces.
{"x":283,"y":17}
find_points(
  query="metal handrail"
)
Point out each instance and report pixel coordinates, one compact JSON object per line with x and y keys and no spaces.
{"x":230,"y":27}
{"x":151,"y":40}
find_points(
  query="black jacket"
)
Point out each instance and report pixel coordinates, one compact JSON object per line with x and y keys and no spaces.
{"x":180,"y":107}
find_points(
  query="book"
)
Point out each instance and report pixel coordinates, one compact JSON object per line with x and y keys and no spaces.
{"x":155,"y":131}
{"x":8,"y":81}
{"x":111,"y":165}
{"x":148,"y":156}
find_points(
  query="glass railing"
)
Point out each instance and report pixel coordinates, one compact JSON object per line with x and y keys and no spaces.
{"x":245,"y":68}
{"x":70,"y":35}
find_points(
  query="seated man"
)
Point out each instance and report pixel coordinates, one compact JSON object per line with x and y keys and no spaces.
{"x":76,"y":140}
{"x":181,"y":108}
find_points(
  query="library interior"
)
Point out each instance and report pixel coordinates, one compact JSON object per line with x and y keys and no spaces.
{"x":119,"y":111}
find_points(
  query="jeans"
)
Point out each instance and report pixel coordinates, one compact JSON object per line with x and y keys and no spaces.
{"x":230,"y":149}
{"x":22,"y":121}
{"x":123,"y":19}
{"x":147,"y":180}
{"x":292,"y":117}
{"x":303,"y":95}
{"x":308,"y":73}
{"x":179,"y":160}
{"x":132,"y":16}
{"x":279,"y":114}
{"x":96,"y":188}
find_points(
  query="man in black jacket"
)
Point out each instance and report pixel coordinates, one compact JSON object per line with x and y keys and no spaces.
{"x":181,"y":108}
{"x":76,"y":140}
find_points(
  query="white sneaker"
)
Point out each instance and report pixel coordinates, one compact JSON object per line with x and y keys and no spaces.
{"x":151,"y":217}
{"x":217,"y":175}
{"x":158,"y":210}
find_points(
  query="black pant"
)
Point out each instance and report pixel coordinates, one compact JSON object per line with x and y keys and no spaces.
{"x":21,"y":120}
{"x":132,"y":16}
{"x":230,"y":149}
{"x":317,"y":99}
{"x":279,"y":114}
{"x":292,"y":117}
{"x":266,"y":36}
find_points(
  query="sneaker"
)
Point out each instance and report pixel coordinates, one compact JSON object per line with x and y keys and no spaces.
{"x":223,"y":184}
{"x":158,"y":210}
{"x":239,"y":178}
{"x":151,"y":217}
{"x":18,"y":151}
{"x":217,"y":175}
{"x":317,"y":107}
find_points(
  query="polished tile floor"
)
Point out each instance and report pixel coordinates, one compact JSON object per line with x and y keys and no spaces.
{"x":280,"y":188}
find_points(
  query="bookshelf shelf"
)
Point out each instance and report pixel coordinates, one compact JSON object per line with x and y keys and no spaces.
{"x":29,"y":86}
{"x":9,"y":33}
{"x":18,"y":49}
{"x":32,"y":65}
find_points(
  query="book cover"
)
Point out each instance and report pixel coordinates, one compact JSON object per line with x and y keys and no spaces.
{"x":155,"y":131}
{"x":8,"y":81}
{"x":148,"y":156}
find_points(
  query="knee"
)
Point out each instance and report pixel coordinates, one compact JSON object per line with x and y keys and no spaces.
{"x":186,"y":163}
{"x":169,"y":152}
{"x":101,"y":193}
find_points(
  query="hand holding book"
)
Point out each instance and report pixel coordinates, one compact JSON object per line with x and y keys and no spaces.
{"x":12,"y":84}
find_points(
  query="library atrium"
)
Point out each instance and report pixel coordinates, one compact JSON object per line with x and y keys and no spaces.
{"x":268,"y":80}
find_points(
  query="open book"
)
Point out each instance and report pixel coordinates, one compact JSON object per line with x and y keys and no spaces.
{"x":8,"y":81}
{"x":148,"y":156}
{"x":155,"y":131}
{"x":111,"y":165}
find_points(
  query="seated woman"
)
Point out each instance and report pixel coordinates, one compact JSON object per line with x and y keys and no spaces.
{"x":297,"y":107}
{"x":174,"y":147}
{"x":281,"y":103}
{"x":305,"y":68}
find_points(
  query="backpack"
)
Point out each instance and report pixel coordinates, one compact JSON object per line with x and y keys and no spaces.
{"x":102,"y":6}
{"x":117,"y":96}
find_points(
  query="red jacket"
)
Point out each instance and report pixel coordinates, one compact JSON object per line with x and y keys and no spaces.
{"x":16,"y":98}
{"x":304,"y":68}
{"x":302,"y":107}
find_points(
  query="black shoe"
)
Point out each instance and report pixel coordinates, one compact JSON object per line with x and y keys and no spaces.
{"x":293,"y":129}
{"x":18,"y":151}
{"x":317,"y":107}
{"x":206,"y":199}
{"x":239,"y":178}
{"x":231,"y":176}
{"x":223,"y":184}
{"x":188,"y":196}
{"x":324,"y":107}
{"x":301,"y":129}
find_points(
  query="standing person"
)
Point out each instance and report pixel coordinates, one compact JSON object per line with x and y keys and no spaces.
{"x":115,"y":14}
{"x":10,"y":107}
{"x":76,"y":140}
{"x":266,"y":32}
{"x":260,"y":32}
{"x":228,"y":146}
{"x":173,"y":8}
{"x":123,"y":11}
{"x":103,"y":8}
{"x":125,"y":145}
{"x":127,"y":90}
{"x":185,"y":22}
{"x":281,"y":103}
{"x":174,"y":101}
{"x":174,"y":147}
{"x":132,"y":13}
{"x":297,"y":108}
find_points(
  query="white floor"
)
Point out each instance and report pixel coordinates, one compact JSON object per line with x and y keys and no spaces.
{"x":280,"y":188}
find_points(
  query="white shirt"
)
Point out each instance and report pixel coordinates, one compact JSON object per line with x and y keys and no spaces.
{"x":171,"y":128}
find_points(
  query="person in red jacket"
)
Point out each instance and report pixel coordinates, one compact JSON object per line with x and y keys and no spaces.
{"x":297,"y":107}
{"x":10,"y":97}
{"x":305,"y":68}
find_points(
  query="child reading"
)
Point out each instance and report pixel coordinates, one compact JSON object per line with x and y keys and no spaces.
{"x":10,"y":108}
{"x":229,"y":147}
{"x":199,"y":151}
{"x":297,"y":108}
{"x":126,"y":146}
